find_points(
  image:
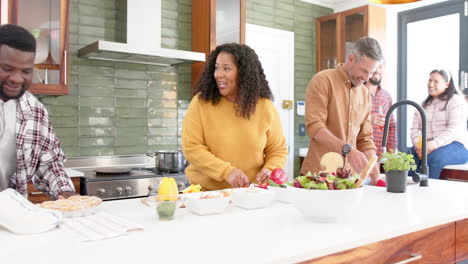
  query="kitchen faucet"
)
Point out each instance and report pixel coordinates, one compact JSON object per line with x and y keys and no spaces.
{"x":422,"y":176}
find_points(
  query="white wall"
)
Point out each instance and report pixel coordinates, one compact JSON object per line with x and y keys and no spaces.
{"x":391,"y":60}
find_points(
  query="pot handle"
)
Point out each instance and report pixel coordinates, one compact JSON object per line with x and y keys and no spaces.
{"x":156,"y":159}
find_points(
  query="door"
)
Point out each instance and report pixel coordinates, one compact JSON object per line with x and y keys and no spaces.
{"x":430,"y":37}
{"x":275,"y":49}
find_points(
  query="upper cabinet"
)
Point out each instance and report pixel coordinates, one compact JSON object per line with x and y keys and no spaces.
{"x":47,"y":20}
{"x":215,"y":22}
{"x":337,"y":33}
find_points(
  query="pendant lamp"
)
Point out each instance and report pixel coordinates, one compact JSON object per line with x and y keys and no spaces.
{"x":393,"y":2}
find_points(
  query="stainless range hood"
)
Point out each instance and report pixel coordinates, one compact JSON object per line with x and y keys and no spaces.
{"x":143,"y":40}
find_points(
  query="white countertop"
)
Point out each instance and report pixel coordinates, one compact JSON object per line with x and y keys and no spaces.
{"x":74,"y":173}
{"x":277,"y":234}
{"x":463,"y":167}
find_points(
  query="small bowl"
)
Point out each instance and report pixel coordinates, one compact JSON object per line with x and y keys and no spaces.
{"x":281,"y":194}
{"x":213,"y":203}
{"x":325,"y":205}
{"x":252,"y":198}
{"x":166,"y":210}
{"x":166,"y":206}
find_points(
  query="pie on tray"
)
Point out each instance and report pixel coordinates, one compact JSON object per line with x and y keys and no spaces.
{"x":73,"y":203}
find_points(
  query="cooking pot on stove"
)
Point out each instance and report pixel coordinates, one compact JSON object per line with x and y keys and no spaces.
{"x":169,"y":160}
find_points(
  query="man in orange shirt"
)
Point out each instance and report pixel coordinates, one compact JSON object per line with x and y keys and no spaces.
{"x":338,"y":110}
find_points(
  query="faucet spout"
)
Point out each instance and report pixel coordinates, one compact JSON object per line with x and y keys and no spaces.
{"x":423,"y":176}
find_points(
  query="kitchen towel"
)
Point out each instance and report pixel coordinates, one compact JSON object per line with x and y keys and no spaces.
{"x":20,"y":216}
{"x":98,"y":226}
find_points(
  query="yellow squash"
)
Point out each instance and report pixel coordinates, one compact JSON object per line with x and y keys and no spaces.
{"x":168,"y":190}
{"x":419,"y":144}
{"x":192,"y":188}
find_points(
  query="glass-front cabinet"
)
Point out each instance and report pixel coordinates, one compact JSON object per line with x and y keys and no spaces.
{"x":354,"y":28}
{"x":47,"y":20}
{"x":337,"y":33}
{"x":327,"y":44}
{"x":215,"y":22}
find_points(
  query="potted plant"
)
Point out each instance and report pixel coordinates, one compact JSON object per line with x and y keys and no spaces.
{"x":396,"y":166}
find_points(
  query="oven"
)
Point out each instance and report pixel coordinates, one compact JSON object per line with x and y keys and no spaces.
{"x":120,"y":177}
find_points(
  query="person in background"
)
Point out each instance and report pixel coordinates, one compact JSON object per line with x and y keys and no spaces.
{"x":381,"y":103}
{"x":338,"y":110}
{"x":232,"y":133}
{"x":446,"y":117}
{"x":29,"y":149}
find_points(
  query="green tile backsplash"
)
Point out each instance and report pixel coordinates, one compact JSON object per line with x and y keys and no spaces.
{"x":119,"y":108}
{"x":299,"y":17}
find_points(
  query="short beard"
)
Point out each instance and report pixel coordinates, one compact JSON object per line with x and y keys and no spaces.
{"x":375,"y":82}
{"x":4,"y":96}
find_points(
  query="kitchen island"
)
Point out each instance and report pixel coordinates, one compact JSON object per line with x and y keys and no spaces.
{"x":277,"y":234}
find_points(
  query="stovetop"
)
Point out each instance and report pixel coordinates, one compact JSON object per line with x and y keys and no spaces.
{"x":140,"y":182}
{"x":136,"y":173}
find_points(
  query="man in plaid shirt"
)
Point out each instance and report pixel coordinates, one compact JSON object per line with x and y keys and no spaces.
{"x":29,"y":149}
{"x":381,"y":103}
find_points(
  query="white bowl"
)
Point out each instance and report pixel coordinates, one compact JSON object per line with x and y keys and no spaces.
{"x":325,"y":205}
{"x":206,"y":206}
{"x":252,"y":198}
{"x":281,"y":194}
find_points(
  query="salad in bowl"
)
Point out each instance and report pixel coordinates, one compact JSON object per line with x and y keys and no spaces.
{"x":326,"y":197}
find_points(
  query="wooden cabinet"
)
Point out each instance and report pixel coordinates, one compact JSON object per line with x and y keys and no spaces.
{"x":215,"y":22}
{"x":446,"y":243}
{"x":337,"y":32}
{"x":36,"y":196}
{"x":461,"y":240}
{"x":454,"y":175}
{"x":47,"y":20}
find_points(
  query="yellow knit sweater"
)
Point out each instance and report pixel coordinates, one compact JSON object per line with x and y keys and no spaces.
{"x":215,"y":141}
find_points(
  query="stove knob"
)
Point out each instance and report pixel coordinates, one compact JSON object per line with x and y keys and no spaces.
{"x":119,"y":190}
{"x":128,"y":190}
{"x":181,"y":186}
{"x":101,"y":191}
{"x":150,"y":188}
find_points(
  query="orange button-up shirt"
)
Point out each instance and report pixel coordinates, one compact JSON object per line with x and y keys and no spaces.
{"x":332,"y":102}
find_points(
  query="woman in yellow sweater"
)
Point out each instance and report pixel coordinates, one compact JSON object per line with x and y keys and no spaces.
{"x":232,"y":133}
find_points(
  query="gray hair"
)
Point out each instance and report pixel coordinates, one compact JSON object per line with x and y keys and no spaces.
{"x":368,"y":47}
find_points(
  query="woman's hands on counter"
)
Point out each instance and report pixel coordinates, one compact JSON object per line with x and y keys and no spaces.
{"x":263,"y":175}
{"x":237,"y":178}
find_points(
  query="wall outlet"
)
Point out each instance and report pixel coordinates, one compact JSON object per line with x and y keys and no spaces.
{"x":302,"y":131}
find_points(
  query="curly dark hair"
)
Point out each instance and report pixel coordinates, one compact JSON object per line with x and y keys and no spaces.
{"x":252,"y":82}
{"x":17,"y":37}
{"x":447,"y":94}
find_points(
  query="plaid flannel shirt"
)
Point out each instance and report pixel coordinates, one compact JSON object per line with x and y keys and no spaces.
{"x":38,"y":153}
{"x":383,"y":98}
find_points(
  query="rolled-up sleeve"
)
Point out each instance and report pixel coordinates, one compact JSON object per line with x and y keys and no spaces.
{"x":365,"y":139}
